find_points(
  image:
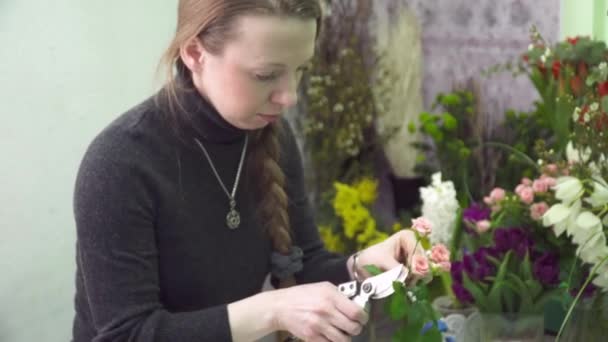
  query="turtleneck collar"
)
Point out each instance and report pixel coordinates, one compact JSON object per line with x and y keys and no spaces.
{"x":196,"y":117}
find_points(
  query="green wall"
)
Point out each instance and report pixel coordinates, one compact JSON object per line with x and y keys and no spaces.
{"x":584,"y":17}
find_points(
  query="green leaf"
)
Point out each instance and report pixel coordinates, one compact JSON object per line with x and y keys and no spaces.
{"x":526,"y":268}
{"x":398,"y":303}
{"x":449,"y":122}
{"x":494,"y":297}
{"x":450,"y":100}
{"x":481,"y":301}
{"x":411,"y":127}
{"x":605,"y":103}
{"x":372,"y":269}
{"x":534,"y":287}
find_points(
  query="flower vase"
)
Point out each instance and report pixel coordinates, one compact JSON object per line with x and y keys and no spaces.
{"x":588,"y":322}
{"x":503,"y":327}
{"x":454,"y":317}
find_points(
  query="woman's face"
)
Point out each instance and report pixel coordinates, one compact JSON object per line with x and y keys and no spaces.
{"x":255,"y":78}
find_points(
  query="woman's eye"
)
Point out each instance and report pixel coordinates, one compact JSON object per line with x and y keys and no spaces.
{"x":266,"y":77}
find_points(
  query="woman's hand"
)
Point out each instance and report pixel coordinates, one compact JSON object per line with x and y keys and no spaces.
{"x":398,"y":249}
{"x":317,"y":313}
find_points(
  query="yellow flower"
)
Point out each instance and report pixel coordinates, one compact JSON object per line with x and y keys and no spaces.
{"x":346,"y":198}
{"x":367,"y":189}
{"x":332,"y":241}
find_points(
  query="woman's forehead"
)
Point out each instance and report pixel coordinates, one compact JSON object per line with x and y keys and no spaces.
{"x":273,"y":39}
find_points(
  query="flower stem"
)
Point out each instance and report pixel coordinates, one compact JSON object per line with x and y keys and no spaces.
{"x":577,"y":298}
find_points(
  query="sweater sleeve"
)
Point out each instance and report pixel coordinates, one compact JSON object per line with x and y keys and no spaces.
{"x":117,"y":256}
{"x":319,"y":263}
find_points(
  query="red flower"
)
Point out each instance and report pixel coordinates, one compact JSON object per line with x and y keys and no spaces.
{"x":581,"y":115}
{"x":582,"y":69}
{"x":601,"y":123}
{"x":556,"y":68}
{"x":576,"y":83}
{"x":602,"y":88}
{"x":572,"y":41}
{"x":542,"y":69}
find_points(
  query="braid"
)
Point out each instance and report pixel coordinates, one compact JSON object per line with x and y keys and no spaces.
{"x":271,"y":195}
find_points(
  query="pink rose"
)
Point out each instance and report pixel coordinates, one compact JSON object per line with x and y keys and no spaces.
{"x":551,"y":168}
{"x":488,"y":200}
{"x":527,"y":195}
{"x":540,"y":186}
{"x":497,"y":195}
{"x":526,"y":181}
{"x":420,"y":265}
{"x":422,"y":226}
{"x":549,"y":181}
{"x":519,"y":188}
{"x":440,"y":253}
{"x":537,"y":210}
{"x":482,"y":226}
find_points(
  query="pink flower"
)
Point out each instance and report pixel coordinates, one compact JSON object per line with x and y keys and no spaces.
{"x":482,"y":226}
{"x":526,"y":181}
{"x":519,"y":188}
{"x":551,"y":168}
{"x":420,"y":265}
{"x":440,"y":253}
{"x":497,"y":194}
{"x":445,"y":266}
{"x":526,"y":195}
{"x":422,"y":226}
{"x":537,"y":210}
{"x":488,"y":200}
{"x":549,"y":181}
{"x":540,"y":186}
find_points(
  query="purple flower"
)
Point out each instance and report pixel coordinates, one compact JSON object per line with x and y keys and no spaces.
{"x":463,"y":295}
{"x":485,"y":267}
{"x":587,"y":293}
{"x":515,"y":239}
{"x":546,"y":269}
{"x":456,"y":271}
{"x":476,"y":212}
{"x":469,"y":265}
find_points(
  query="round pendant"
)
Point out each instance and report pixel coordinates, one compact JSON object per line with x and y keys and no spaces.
{"x":233,"y":219}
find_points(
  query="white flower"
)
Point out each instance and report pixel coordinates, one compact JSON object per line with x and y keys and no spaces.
{"x":576,"y":114}
{"x":543,"y":59}
{"x":588,"y":230}
{"x":594,"y":252}
{"x":599,"y":197}
{"x":602,"y":65}
{"x":530,"y":47}
{"x":601,"y":278}
{"x":594,"y":106}
{"x":440,"y":207}
{"x":575,"y":155}
{"x":568,"y":189}
{"x":561,"y":217}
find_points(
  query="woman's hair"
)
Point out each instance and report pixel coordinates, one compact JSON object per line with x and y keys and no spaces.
{"x":213,"y":22}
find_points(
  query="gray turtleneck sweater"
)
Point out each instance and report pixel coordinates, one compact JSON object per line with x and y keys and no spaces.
{"x":155,"y":259}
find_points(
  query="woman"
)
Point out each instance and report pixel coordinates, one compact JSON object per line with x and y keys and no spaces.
{"x":186,"y":202}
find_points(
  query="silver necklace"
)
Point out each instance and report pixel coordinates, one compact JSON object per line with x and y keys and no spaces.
{"x":233,"y":219}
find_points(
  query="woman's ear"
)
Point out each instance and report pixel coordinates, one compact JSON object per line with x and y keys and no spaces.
{"x":192,"y":54}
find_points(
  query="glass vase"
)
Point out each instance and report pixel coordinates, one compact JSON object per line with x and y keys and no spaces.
{"x":505,"y":327}
{"x":588,"y":322}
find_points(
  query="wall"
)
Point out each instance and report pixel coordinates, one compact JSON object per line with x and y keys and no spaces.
{"x":67,"y":67}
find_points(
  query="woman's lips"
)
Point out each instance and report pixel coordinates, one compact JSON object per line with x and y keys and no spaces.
{"x":270,"y":118}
